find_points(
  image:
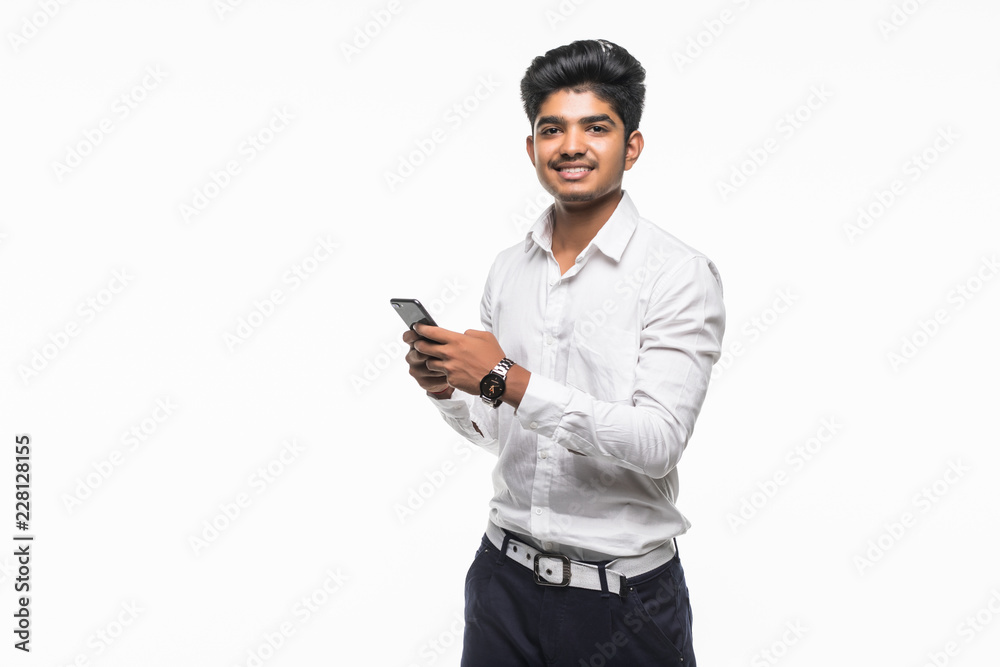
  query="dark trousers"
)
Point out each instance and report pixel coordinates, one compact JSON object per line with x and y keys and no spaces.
{"x":511,"y":621}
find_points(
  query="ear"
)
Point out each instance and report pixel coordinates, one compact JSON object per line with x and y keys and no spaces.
{"x":633,"y":147}
{"x":529,"y":144}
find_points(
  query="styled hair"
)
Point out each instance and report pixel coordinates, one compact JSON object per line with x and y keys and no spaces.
{"x":592,"y":65}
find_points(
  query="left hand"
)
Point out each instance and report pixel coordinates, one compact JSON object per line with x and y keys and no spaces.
{"x":464,"y":358}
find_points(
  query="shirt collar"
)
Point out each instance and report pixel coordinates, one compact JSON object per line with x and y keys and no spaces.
{"x":611,"y":239}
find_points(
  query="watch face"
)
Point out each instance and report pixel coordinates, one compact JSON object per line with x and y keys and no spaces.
{"x":492,"y":386}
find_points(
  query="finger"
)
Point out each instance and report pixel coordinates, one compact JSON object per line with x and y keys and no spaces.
{"x":421,"y":372}
{"x":427,"y":374}
{"x":437,"y":334}
{"x":414,"y":358}
{"x":429,"y":348}
{"x":436,"y":366}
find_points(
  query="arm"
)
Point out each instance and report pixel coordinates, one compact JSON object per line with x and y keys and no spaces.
{"x":681,"y":339}
{"x":463,"y":412}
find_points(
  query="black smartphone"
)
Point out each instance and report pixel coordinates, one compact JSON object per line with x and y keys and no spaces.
{"x":412,"y":312}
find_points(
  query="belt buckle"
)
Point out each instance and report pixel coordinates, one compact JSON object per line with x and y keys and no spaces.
{"x":566,"y":570}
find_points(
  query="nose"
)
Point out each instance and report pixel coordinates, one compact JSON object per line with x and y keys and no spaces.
{"x":573,"y":143}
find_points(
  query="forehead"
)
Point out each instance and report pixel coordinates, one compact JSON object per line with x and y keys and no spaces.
{"x":573,"y":105}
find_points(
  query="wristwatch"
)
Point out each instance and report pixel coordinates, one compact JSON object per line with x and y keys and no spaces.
{"x":493,"y":384}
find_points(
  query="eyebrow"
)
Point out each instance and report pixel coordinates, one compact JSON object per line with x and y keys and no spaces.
{"x":586,"y":120}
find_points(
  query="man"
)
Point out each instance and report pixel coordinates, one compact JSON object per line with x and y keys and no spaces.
{"x":600,"y":331}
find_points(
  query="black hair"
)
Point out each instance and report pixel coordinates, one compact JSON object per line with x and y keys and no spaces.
{"x":607,"y":70}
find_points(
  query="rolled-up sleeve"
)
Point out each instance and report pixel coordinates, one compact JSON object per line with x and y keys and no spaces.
{"x":680,"y":340}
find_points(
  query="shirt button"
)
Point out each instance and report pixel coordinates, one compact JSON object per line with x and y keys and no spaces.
{"x":538,"y":510}
{"x":579,"y":259}
{"x":548,"y":339}
{"x":543,"y":455}
{"x":547,"y":546}
{"x":533,"y":425}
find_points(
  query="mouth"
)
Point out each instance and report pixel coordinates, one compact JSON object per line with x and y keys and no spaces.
{"x":573,"y":172}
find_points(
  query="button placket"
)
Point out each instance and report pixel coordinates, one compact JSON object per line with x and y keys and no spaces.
{"x":541,"y":487}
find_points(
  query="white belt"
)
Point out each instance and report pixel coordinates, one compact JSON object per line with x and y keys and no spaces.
{"x":553,"y":569}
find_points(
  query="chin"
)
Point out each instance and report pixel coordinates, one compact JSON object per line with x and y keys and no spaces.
{"x":560,"y":193}
{"x":576,"y":197}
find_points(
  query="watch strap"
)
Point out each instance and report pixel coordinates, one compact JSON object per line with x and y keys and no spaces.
{"x":502,"y":367}
{"x":500,"y":370}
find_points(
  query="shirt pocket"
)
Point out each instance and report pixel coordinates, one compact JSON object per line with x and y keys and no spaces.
{"x":602,"y":361}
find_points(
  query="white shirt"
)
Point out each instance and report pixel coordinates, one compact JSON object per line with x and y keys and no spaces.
{"x":620,"y":350}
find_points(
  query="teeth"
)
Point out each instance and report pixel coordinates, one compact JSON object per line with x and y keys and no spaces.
{"x":574,"y":170}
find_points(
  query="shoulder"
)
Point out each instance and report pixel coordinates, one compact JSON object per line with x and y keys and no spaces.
{"x":663,"y":256}
{"x":513,"y":257}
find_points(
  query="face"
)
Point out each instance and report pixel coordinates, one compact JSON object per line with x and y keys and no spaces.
{"x":579,"y":149}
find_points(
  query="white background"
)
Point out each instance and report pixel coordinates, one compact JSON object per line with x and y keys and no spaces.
{"x":325,"y":368}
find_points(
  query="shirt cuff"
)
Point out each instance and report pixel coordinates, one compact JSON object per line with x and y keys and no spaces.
{"x":457,"y":406}
{"x":543,"y":405}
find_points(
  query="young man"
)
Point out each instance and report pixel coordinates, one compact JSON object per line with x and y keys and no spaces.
{"x":600,"y":332}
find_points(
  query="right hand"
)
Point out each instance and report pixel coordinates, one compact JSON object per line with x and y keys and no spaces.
{"x":428,"y":380}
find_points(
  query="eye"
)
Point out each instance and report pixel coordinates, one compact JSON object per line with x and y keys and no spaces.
{"x":549,"y":130}
{"x":599,"y":129}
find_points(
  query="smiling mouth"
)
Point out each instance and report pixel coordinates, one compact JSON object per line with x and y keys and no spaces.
{"x":573,"y":173}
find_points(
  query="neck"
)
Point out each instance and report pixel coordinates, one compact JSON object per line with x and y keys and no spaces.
{"x":577,"y":223}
